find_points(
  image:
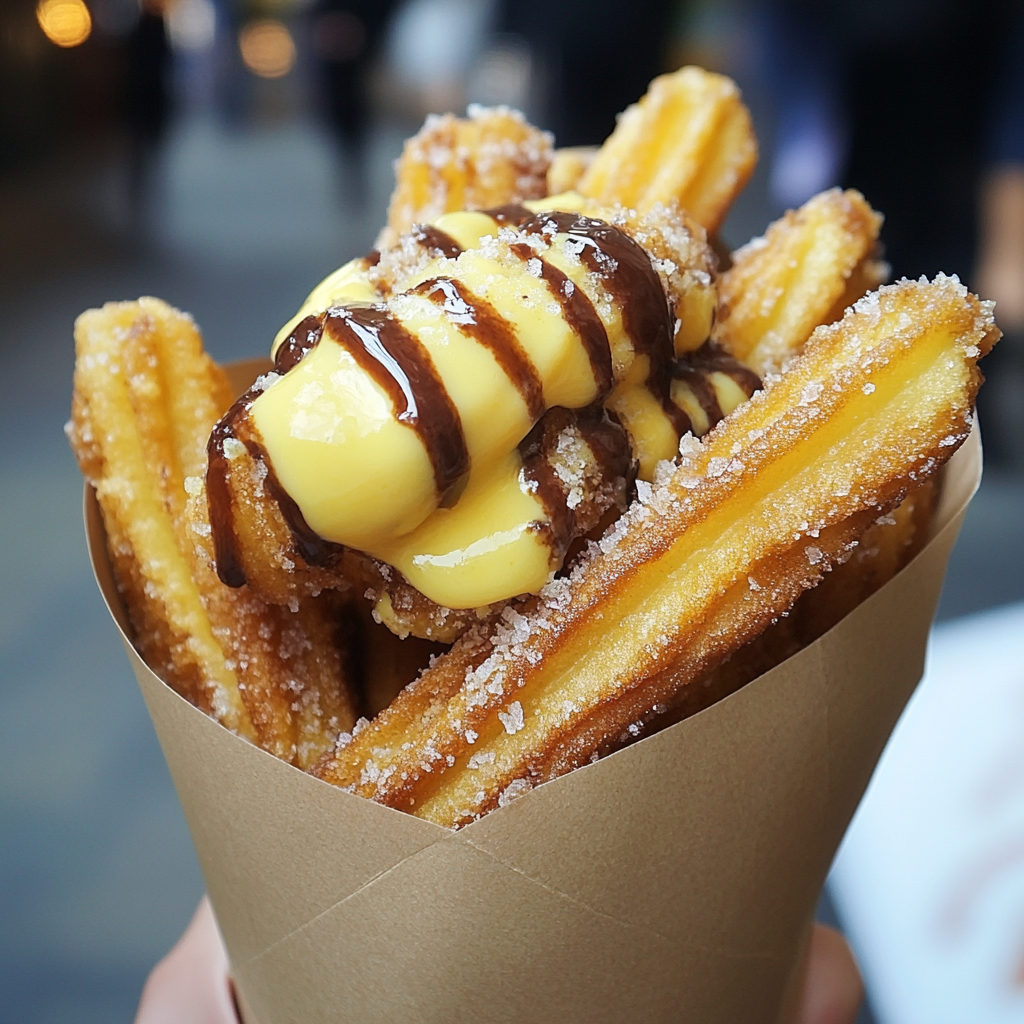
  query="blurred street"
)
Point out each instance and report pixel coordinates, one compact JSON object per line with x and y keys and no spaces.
{"x":239,"y":217}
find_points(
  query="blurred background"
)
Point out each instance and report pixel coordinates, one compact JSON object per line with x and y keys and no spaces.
{"x":226,"y":154}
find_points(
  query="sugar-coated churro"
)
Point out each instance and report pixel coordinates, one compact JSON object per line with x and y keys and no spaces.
{"x":688,"y":142}
{"x":146,"y":397}
{"x":747,"y":521}
{"x":808,"y":268}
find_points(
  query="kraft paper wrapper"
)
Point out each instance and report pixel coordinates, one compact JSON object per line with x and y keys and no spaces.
{"x":673,"y":881}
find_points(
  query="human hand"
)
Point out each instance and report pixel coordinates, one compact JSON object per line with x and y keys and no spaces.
{"x":191,"y":983}
{"x":833,"y":990}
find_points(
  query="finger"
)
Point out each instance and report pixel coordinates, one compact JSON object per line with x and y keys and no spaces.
{"x":833,"y":990}
{"x":191,"y":982}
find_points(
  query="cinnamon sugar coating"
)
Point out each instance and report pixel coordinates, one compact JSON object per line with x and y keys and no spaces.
{"x":748,"y":520}
{"x":146,"y":397}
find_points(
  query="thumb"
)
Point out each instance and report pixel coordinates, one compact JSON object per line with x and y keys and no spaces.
{"x":833,"y":990}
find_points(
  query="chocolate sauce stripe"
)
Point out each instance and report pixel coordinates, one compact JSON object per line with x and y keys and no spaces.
{"x":219,"y":503}
{"x":628,"y":275}
{"x":299,"y":343}
{"x":396,"y":359}
{"x":704,"y":391}
{"x":436,"y":241}
{"x":235,"y":425}
{"x":511,"y":213}
{"x":579,"y":314}
{"x":479,"y":320}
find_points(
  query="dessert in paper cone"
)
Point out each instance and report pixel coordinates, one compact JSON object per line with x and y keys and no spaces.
{"x":627,"y":564}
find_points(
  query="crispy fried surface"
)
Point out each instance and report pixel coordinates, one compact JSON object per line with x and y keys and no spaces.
{"x":810,"y":266}
{"x":751,"y":518}
{"x":487,"y":159}
{"x":146,"y":397}
{"x":885,"y":547}
{"x":689,"y":142}
{"x":568,"y":165}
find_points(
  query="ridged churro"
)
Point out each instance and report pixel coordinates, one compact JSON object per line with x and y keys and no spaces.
{"x":689,"y":142}
{"x":807,"y":269}
{"x":146,"y":397}
{"x":773,"y":498}
{"x":489,"y":158}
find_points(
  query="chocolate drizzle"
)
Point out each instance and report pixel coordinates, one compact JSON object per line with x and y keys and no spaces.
{"x":236,"y":426}
{"x":609,"y":446}
{"x":579,"y":314}
{"x":305,"y":337}
{"x":218,"y":496}
{"x":435,"y":241}
{"x":398,"y":362}
{"x":511,"y":213}
{"x":696,"y":368}
{"x":484,"y":324}
{"x":626,"y":271}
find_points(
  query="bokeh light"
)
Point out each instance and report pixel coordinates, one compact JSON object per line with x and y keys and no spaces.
{"x":267,"y":47}
{"x":64,"y":22}
{"x":192,"y":25}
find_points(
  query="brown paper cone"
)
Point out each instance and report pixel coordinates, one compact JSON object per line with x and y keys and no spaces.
{"x":672,"y":881}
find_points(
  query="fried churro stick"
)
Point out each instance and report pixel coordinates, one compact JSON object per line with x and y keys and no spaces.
{"x":884,"y":549}
{"x":146,"y":397}
{"x":568,"y":166}
{"x":753,"y":516}
{"x":688,"y":142}
{"x":490,"y":158}
{"x":810,"y":266}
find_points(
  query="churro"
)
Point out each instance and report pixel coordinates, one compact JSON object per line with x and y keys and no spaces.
{"x":807,"y":269}
{"x":489,"y":158}
{"x":775,"y":496}
{"x":146,"y":397}
{"x":531,"y":426}
{"x":688,"y":142}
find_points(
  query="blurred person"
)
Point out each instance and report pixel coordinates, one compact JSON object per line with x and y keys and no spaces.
{"x":191,"y":983}
{"x":147,"y":103}
{"x":1000,"y":267}
{"x":898,"y":95}
{"x":596,"y":56}
{"x":345,"y":36}
{"x":919,"y":104}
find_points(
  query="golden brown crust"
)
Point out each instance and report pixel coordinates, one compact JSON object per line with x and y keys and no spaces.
{"x":568,"y":165}
{"x":490,"y":158}
{"x":810,"y":266}
{"x":752,"y":517}
{"x":146,"y":398}
{"x":688,"y":142}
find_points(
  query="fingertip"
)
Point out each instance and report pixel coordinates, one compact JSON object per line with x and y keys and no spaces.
{"x":833,"y":991}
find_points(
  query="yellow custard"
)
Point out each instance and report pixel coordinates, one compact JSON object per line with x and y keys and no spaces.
{"x":363,"y":477}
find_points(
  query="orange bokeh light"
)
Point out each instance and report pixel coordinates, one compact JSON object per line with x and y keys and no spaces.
{"x":65,"y":23}
{"x":267,"y":48}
